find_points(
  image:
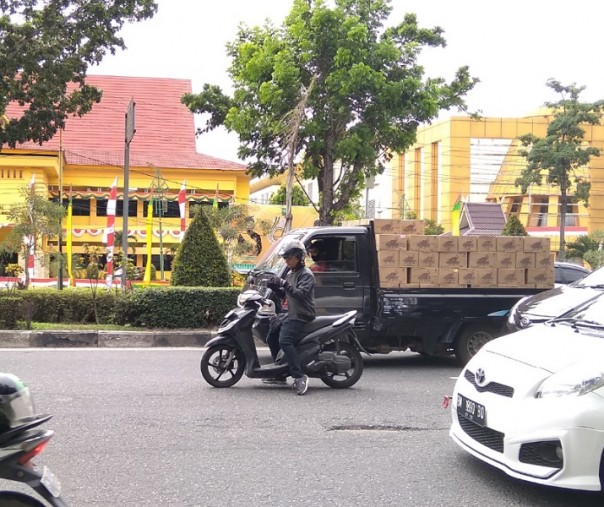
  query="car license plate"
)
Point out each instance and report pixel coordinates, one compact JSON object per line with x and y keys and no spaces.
{"x":471,"y":410}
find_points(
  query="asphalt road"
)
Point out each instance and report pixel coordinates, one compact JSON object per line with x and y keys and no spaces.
{"x":140,"y":427}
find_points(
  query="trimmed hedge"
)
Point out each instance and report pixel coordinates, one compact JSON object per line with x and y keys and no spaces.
{"x":160,"y":307}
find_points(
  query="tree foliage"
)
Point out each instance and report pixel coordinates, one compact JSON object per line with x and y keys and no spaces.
{"x":513,"y":227}
{"x":200,"y":261}
{"x":562,"y":152}
{"x":431,"y":228}
{"x":299,"y":198}
{"x":587,"y":248}
{"x":34,"y":217}
{"x":365,"y":94}
{"x":45,"y":51}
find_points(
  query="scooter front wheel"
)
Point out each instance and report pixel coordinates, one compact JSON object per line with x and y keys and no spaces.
{"x":222,"y":365}
{"x":350,"y":376}
{"x":14,"y":499}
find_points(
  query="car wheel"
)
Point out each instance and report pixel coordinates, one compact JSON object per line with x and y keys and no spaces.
{"x":471,"y":340}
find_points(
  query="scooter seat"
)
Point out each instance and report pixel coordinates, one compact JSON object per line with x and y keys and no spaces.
{"x":319,"y":322}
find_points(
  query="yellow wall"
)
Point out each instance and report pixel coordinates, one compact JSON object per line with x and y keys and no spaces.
{"x":444,"y":149}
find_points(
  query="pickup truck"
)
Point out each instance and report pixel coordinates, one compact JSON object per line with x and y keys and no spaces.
{"x":428,"y":320}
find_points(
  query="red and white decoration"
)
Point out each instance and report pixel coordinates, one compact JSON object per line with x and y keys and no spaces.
{"x":110,"y":232}
{"x":181,"y":205}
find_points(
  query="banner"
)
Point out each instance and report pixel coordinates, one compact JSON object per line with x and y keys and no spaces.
{"x":110,"y":233}
{"x":70,"y":240}
{"x":181,"y":206}
{"x":147,"y":278}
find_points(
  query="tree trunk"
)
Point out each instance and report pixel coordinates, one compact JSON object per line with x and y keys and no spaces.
{"x":563,"y":201}
{"x":325,"y":216}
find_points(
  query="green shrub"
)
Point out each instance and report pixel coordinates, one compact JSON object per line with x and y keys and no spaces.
{"x":10,"y":312}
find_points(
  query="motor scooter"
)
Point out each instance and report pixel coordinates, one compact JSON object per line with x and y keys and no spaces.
{"x":18,"y":446}
{"x":330,"y":349}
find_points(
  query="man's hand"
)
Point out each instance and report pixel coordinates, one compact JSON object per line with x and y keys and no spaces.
{"x":275,"y":282}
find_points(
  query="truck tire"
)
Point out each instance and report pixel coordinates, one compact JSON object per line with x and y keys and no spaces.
{"x":471,"y":339}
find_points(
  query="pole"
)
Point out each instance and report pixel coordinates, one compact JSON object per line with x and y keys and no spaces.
{"x":60,"y":239}
{"x":129,"y":134}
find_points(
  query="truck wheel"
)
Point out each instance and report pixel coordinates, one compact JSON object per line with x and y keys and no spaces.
{"x":471,"y":339}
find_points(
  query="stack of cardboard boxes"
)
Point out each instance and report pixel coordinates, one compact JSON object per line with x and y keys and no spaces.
{"x":407,"y":258}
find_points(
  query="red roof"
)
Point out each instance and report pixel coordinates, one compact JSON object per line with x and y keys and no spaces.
{"x":165,"y":129}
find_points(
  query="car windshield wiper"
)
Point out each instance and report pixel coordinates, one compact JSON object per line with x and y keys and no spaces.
{"x":574,"y":322}
{"x":596,"y":286}
{"x":568,"y":320}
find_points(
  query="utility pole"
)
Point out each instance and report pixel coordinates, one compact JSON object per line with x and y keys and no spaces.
{"x":129,"y":134}
{"x":60,"y":239}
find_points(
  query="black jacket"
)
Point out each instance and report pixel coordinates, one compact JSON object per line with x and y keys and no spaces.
{"x":300,"y":293}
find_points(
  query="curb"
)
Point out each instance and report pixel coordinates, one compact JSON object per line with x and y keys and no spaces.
{"x":115,"y":339}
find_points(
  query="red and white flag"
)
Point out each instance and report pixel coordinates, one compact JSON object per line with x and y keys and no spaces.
{"x":181,"y":205}
{"x":110,"y":232}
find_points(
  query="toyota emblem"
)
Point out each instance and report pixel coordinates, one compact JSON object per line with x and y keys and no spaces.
{"x":480,"y":376}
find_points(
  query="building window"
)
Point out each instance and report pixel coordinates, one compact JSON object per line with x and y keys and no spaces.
{"x":167,"y":209}
{"x":516,"y":206}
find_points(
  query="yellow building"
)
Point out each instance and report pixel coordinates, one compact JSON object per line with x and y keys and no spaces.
{"x":83,"y":162}
{"x":478,"y":161}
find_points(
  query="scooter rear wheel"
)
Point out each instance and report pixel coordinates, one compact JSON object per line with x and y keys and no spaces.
{"x":14,"y":499}
{"x":222,"y":365}
{"x":350,"y":376}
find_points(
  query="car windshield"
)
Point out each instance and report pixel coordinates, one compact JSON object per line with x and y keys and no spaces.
{"x":591,"y":313}
{"x":271,"y":261}
{"x":594,"y":279}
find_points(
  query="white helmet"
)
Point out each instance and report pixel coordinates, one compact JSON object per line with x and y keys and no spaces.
{"x":294,"y":247}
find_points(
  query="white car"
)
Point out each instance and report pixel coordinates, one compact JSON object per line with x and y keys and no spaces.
{"x":532,"y":403}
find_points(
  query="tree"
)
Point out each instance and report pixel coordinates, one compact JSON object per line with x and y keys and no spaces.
{"x":363,"y":91}
{"x":513,"y":227}
{"x":199,"y":260}
{"x":45,"y":51}
{"x":36,"y":218}
{"x":432,"y":228}
{"x":587,"y":248}
{"x":562,"y":152}
{"x":299,"y":198}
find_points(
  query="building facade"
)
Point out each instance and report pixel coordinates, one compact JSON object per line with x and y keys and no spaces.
{"x":478,"y":160}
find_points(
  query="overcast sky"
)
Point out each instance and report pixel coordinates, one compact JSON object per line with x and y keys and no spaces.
{"x":512,"y":46}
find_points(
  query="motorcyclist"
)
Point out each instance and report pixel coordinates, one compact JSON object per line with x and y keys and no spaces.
{"x":298,"y":287}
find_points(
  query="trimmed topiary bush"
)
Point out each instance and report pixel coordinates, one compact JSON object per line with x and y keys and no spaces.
{"x":200,"y":262}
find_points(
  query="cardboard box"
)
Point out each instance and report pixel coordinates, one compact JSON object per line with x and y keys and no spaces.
{"x":453,"y":260}
{"x":486,"y":243}
{"x":544,"y":260}
{"x":467,"y":244}
{"x":390,"y":242}
{"x":506,"y":260}
{"x":467,"y":276}
{"x":481,"y":259}
{"x":448,"y":277}
{"x":422,"y":243}
{"x":388,"y":259}
{"x":423,"y":276}
{"x":448,"y":244}
{"x":511,"y":277}
{"x":386,"y":226}
{"x":393,"y":278}
{"x":510,"y":243}
{"x":532,"y":244}
{"x":525,"y":260}
{"x":487,"y":278}
{"x":408,"y":259}
{"x":409,"y":227}
{"x":542,"y":278}
{"x":427,"y":260}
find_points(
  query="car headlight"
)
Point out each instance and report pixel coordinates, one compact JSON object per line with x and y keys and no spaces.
{"x":575,"y":380}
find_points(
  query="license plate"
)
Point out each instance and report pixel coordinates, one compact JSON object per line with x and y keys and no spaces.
{"x":471,"y":410}
{"x":51,"y":482}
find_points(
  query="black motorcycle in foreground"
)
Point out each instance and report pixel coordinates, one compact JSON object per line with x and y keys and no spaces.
{"x":21,"y":440}
{"x":330,"y":349}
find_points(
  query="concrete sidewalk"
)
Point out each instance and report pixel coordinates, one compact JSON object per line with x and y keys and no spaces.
{"x":93,"y":338}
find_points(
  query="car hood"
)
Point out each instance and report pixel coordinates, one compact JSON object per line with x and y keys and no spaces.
{"x":554,"y":302}
{"x":549,"y":347}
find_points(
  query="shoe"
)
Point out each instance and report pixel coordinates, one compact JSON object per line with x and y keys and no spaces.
{"x":277,"y":381}
{"x":301,"y":385}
